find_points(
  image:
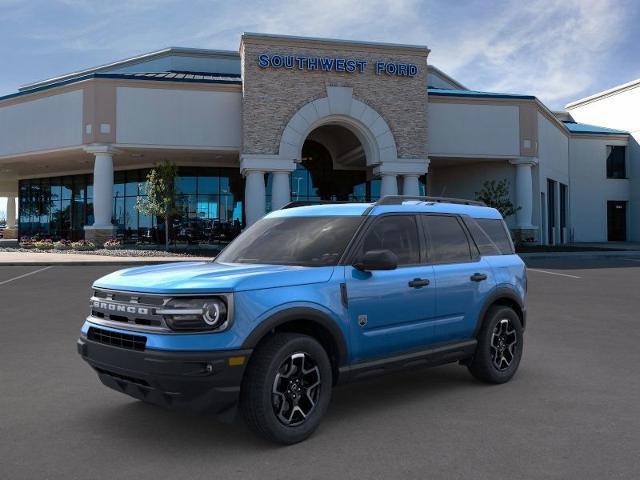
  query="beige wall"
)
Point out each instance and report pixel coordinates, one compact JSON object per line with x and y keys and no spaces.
{"x":185,"y":117}
{"x":272,"y":96}
{"x":50,"y":122}
{"x":459,"y":129}
{"x":465,"y":179}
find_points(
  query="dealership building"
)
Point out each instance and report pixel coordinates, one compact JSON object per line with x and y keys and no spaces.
{"x":290,"y":118}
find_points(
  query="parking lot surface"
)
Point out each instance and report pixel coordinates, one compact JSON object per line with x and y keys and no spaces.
{"x":571,"y":412}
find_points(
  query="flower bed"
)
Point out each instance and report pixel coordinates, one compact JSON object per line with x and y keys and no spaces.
{"x":43,"y":244}
{"x":113,"y":244}
{"x":62,"y":245}
{"x":26,"y":242}
{"x":83,"y":245}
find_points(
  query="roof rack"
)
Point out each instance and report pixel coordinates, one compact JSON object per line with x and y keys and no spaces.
{"x":387,"y":200}
{"x":398,"y":199}
{"x":306,"y":203}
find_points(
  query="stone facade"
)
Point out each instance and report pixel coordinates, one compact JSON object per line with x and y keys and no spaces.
{"x":272,"y":96}
{"x":98,"y":235}
{"x":10,"y":233}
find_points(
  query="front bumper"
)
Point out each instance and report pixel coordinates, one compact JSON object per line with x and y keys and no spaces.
{"x":202,"y":381}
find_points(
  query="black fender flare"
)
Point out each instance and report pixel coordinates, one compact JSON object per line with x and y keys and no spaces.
{"x":296,"y":314}
{"x":498,"y":294}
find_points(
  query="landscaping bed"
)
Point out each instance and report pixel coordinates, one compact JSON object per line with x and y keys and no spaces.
{"x":121,"y":252}
{"x":111,"y":248}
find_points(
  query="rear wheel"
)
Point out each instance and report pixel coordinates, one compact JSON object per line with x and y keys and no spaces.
{"x":287,"y":388}
{"x":499,"y":349}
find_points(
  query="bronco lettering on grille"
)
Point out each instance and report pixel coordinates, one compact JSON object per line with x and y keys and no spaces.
{"x":116,"y":307}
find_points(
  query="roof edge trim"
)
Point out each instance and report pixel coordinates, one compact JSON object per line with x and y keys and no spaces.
{"x":131,"y":61}
{"x":604,"y":93}
{"x":118,"y":76}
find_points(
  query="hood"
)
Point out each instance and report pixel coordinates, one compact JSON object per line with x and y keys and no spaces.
{"x":207,"y":277}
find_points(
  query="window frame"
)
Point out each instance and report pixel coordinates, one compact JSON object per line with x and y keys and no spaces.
{"x":353,"y":248}
{"x":474,"y":252}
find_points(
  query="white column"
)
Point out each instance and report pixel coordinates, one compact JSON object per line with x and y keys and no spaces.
{"x":280,"y":190}
{"x":409,"y":169}
{"x":389,"y":184}
{"x":11,"y":211}
{"x":410,"y":185}
{"x":524,"y":192}
{"x":103,"y":189}
{"x":254,"y":196}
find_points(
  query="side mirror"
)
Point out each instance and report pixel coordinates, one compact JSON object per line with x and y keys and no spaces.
{"x":377,"y":260}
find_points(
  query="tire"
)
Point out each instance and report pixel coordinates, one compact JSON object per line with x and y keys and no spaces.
{"x":277,"y":402}
{"x":499,"y":349}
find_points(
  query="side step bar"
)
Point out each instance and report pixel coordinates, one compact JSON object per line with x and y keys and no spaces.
{"x":424,"y":358}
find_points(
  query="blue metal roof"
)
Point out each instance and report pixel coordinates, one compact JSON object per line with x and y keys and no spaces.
{"x":444,"y":92}
{"x":575,"y":127}
{"x":173,"y":76}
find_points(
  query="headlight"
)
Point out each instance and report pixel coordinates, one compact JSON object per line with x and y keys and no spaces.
{"x":195,"y":313}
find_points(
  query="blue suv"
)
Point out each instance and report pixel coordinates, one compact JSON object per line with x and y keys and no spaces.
{"x":308,"y":297}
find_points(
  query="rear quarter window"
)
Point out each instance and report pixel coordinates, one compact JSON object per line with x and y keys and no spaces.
{"x":496,"y":237}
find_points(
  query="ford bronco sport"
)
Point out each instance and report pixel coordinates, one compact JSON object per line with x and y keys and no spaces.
{"x":309,"y":297}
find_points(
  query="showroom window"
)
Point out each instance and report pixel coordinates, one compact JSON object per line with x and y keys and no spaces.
{"x":209,"y":204}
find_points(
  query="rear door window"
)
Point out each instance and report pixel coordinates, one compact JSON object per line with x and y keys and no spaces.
{"x":448,"y":241}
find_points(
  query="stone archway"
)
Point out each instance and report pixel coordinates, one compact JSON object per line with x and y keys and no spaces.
{"x":340,"y":108}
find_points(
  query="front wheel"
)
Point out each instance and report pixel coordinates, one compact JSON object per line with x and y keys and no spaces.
{"x":287,"y":388}
{"x":499,"y":349}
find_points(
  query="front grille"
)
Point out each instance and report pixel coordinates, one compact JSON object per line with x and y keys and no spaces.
{"x":116,"y":339}
{"x":128,"y":308}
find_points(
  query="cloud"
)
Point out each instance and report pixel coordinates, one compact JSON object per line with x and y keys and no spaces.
{"x":558,"y":50}
{"x":543,"y":47}
{"x":549,"y":48}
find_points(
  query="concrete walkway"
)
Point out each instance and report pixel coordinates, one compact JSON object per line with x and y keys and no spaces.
{"x":612,"y":245}
{"x":33,"y":258}
{"x":585,"y":254}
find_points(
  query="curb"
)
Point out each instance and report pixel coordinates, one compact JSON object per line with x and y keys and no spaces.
{"x":87,"y":263}
{"x":594,"y":254}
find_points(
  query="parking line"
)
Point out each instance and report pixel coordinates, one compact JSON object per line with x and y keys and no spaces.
{"x":553,"y":273}
{"x":25,"y":275}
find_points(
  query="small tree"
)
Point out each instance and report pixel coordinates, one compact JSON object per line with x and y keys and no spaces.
{"x":496,"y":195}
{"x":160,"y":200}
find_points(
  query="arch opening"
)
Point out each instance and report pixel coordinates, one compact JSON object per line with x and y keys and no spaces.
{"x":333,"y":166}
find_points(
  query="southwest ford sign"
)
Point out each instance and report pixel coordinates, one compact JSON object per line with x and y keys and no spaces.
{"x":331,"y":64}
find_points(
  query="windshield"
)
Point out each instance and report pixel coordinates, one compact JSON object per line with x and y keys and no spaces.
{"x":305,"y":241}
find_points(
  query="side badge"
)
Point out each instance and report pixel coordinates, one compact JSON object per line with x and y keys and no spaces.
{"x":362,"y":320}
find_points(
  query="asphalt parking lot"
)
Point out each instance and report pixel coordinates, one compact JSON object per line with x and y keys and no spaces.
{"x":572,"y":411}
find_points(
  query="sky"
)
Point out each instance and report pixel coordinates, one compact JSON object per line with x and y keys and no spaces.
{"x":557,"y":50}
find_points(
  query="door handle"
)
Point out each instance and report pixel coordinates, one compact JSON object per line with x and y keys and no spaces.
{"x":418,"y":282}
{"x":478,"y":277}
